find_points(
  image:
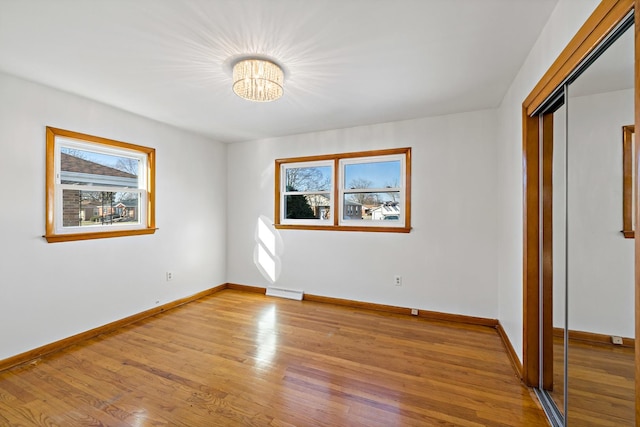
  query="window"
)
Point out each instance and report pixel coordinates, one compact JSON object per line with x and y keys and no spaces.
{"x":307,"y":192}
{"x":97,"y":187}
{"x":364,"y":191}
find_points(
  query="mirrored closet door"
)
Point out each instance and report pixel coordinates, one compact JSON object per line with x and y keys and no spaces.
{"x":600,"y":260}
{"x":587,"y":295}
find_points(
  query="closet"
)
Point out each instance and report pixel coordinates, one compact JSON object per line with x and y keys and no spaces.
{"x":579,"y":295}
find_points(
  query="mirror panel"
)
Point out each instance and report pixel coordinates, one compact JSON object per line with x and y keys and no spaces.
{"x":600,"y":260}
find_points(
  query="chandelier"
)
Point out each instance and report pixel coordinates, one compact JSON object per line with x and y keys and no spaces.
{"x":258,"y":80}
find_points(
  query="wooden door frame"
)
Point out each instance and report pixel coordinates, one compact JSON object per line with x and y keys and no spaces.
{"x":602,"y":21}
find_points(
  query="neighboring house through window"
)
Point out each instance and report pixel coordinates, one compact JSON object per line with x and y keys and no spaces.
{"x":363,"y":191}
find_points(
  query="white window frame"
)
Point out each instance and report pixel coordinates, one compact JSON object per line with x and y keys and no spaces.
{"x":140,"y":189}
{"x":284,"y":193}
{"x":342,"y":191}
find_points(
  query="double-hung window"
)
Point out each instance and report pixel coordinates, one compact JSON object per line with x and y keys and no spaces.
{"x":307,"y":192}
{"x":97,"y":187}
{"x":364,"y":191}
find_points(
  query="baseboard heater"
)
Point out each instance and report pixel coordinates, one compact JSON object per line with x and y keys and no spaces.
{"x":285,"y":293}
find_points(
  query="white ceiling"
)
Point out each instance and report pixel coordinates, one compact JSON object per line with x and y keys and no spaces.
{"x":347,"y":62}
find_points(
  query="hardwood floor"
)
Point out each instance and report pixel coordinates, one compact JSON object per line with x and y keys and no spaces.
{"x":244,"y":359}
{"x":601,"y":384}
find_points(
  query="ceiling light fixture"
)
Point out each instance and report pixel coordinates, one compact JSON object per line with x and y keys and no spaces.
{"x":258,"y":80}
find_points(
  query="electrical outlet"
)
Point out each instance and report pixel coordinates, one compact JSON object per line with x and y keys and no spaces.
{"x":397,"y":280}
{"x":616,"y":340}
{"x":414,"y":311}
{"x":169,"y":276}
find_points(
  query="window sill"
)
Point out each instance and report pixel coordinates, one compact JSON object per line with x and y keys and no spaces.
{"x":344,"y":228}
{"x":56,"y":238}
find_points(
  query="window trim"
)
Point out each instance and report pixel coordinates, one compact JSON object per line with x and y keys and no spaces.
{"x":336,"y":224}
{"x":628,"y":181}
{"x":51,"y":235}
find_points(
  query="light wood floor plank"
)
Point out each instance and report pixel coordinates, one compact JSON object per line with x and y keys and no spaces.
{"x":244,"y":359}
{"x":601,"y":383}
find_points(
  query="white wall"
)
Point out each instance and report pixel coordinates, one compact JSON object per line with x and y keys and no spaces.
{"x":601,"y":260}
{"x":448,"y":261}
{"x":565,"y":21}
{"x":465,"y":248}
{"x":52,"y":291}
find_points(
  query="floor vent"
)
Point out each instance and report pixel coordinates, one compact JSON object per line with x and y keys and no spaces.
{"x":285,"y":293}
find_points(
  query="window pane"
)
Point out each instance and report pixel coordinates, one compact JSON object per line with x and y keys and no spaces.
{"x":308,"y":179}
{"x":371,"y":206}
{"x":91,"y":208}
{"x":89,"y":168}
{"x":372,"y":175}
{"x":310,"y":206}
